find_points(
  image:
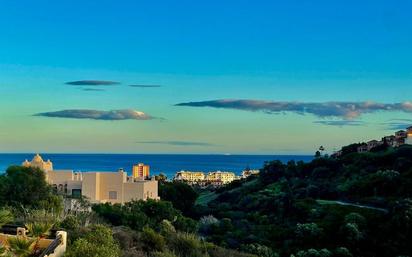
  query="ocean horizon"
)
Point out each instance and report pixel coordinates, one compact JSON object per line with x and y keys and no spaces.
{"x":168,"y":164}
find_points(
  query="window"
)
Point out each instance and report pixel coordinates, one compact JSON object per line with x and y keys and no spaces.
{"x":113,"y":195}
{"x":76,"y":193}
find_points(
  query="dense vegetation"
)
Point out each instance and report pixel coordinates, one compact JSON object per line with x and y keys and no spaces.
{"x":353,"y":205}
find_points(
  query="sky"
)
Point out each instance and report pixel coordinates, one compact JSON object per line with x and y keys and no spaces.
{"x":215,"y":77}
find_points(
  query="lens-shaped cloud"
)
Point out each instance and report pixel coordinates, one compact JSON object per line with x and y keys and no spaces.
{"x":397,"y":124}
{"x":340,"y":123}
{"x":97,"y":115}
{"x":344,"y":110}
{"x":92,"y":83}
{"x":176,"y":143}
{"x":145,"y":86}
{"x":93,"y":89}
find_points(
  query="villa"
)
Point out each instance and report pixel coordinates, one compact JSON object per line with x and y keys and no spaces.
{"x":401,"y":134}
{"x":400,"y":138}
{"x":97,"y":186}
{"x":189,"y":176}
{"x":222,"y":176}
{"x":215,"y":178}
{"x":373,"y":143}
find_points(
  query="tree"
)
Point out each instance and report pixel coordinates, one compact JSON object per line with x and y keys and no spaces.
{"x":161,"y":177}
{"x":27,"y":186}
{"x":181,"y":195}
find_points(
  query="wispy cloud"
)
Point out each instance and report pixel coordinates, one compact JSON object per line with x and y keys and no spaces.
{"x":344,"y":110}
{"x":397,"y":124}
{"x":97,"y":115}
{"x":145,"y":86}
{"x":93,"y":89}
{"x":340,"y":123}
{"x":176,"y":143}
{"x":92,"y":83}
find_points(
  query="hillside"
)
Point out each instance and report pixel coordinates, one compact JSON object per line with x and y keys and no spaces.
{"x":355,"y":205}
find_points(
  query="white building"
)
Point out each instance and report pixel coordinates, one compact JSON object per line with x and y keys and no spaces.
{"x":98,"y":187}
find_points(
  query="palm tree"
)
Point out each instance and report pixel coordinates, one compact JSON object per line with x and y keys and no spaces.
{"x":5,"y":217}
{"x":39,"y":223}
{"x":321,"y":148}
{"x":21,"y":246}
{"x":39,"y":229}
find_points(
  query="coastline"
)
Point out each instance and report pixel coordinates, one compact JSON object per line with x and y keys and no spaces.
{"x":160,"y":163}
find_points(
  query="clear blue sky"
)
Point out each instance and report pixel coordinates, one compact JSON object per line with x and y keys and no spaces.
{"x":270,"y":52}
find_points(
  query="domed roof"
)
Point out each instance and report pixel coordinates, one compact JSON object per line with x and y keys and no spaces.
{"x":37,"y":158}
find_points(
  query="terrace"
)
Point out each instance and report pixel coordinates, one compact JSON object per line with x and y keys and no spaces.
{"x":14,"y":240}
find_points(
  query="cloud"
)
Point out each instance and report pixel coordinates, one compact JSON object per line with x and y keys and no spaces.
{"x":344,"y":110}
{"x":145,"y":86}
{"x":176,"y":143}
{"x":97,"y":115}
{"x":397,"y":124}
{"x":340,"y":123}
{"x":92,"y":89}
{"x":92,"y":83}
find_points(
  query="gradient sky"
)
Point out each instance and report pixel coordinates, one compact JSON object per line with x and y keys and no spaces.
{"x":289,"y":52}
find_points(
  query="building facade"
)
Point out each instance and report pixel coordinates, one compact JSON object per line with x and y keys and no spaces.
{"x":141,"y":171}
{"x":215,"y":178}
{"x":98,"y":187}
{"x":38,"y":162}
{"x":223,"y":176}
{"x":190,"y":176}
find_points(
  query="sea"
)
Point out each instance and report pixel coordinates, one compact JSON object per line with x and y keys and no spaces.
{"x":168,"y":164}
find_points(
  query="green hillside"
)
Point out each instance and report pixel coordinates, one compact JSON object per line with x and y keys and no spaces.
{"x":353,"y":205}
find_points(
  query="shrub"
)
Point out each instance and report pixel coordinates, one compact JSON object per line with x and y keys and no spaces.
{"x":187,"y":245}
{"x":70,"y":223}
{"x":5,"y":217}
{"x":259,"y":250}
{"x":163,"y":254}
{"x":96,"y":242}
{"x":206,"y":222}
{"x":151,"y":240}
{"x":314,"y":253}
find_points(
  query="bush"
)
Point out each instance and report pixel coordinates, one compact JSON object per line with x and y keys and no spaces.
{"x":187,"y":245}
{"x":70,"y":223}
{"x":314,"y":253}
{"x":163,"y":254}
{"x":206,"y":222}
{"x":259,"y":250}
{"x":96,"y":242}
{"x":308,"y":230}
{"x":151,"y":240}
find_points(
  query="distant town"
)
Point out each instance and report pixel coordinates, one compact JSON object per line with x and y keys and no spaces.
{"x":400,"y":138}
